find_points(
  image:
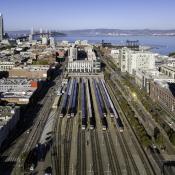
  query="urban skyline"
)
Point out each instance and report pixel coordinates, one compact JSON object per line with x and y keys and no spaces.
{"x":70,"y":15}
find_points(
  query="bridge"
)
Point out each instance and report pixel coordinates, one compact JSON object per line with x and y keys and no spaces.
{"x":49,"y":34}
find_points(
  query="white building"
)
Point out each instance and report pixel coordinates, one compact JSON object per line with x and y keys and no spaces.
{"x":9,"y":117}
{"x":84,"y":66}
{"x":44,"y":40}
{"x":83,"y":42}
{"x":30,"y":38}
{"x":52,"y":42}
{"x":72,"y":53}
{"x":168,"y":70}
{"x":131,"y":60}
{"x":6,"y":65}
{"x":115,"y":55}
{"x":90,"y":64}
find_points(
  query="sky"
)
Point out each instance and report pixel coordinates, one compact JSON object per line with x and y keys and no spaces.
{"x":88,"y":14}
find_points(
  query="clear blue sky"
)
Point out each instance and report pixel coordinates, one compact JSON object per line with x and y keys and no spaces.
{"x":82,"y":14}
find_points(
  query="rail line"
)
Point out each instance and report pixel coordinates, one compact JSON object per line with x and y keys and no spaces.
{"x":59,"y":147}
{"x":141,"y":155}
{"x":130,"y":155}
{"x":116,"y":160}
{"x":96,"y":154}
{"x":67,"y":145}
{"x":81,"y":153}
{"x":148,"y":172}
{"x":125,"y":149}
{"x":109,"y":151}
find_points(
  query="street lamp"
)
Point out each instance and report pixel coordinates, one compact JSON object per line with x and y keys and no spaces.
{"x":134,"y":95}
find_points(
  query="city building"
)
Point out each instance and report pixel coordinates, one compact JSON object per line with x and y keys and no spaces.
{"x":131,"y":60}
{"x":1,"y":27}
{"x":30,"y":38}
{"x":83,"y":42}
{"x":17,"y":85}
{"x":72,"y":53}
{"x":45,"y":40}
{"x":30,"y":72}
{"x":115,"y":55}
{"x":168,"y":70}
{"x":83,"y":60}
{"x":52,"y":42}
{"x":6,"y":65}
{"x":16,"y":90}
{"x":164,"y":93}
{"x":143,"y":78}
{"x":9,"y":116}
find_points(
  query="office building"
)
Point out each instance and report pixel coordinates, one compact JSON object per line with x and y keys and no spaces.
{"x":168,"y":70}
{"x":9,"y":117}
{"x":72,"y":53}
{"x":6,"y":65}
{"x":52,"y":42}
{"x":131,"y":60}
{"x":164,"y":93}
{"x":1,"y":27}
{"x":83,"y":60}
{"x":143,"y":78}
{"x":17,"y":85}
{"x":45,"y":40}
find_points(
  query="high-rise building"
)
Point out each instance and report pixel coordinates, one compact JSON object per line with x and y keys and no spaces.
{"x":1,"y":27}
{"x":52,"y":41}
{"x":131,"y":60}
{"x":72,"y":53}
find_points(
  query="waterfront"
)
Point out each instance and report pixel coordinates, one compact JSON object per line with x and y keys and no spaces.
{"x":161,"y":44}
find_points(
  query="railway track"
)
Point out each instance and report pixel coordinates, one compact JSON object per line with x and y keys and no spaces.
{"x":130,"y":155}
{"x":128,"y":168}
{"x":81,"y":153}
{"x":148,"y":172}
{"x":141,"y":155}
{"x":96,"y":154}
{"x":99,"y":158}
{"x":116,"y":160}
{"x":67,"y":145}
{"x":109,"y":152}
{"x":58,"y":168}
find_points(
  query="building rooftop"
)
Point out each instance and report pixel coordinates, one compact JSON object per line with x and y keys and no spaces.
{"x":14,"y":81}
{"x":156,"y":75}
{"x":169,"y":87}
{"x":6,"y":112}
{"x":169,"y":67}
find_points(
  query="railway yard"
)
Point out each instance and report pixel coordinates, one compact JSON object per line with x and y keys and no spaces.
{"x":91,"y":135}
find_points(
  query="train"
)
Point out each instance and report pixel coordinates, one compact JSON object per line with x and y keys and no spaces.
{"x":90,"y":106}
{"x":100,"y":99}
{"x":103,"y":119}
{"x":118,"y":121}
{"x":106,"y":99}
{"x":65,"y":100}
{"x":74,"y":100}
{"x":119,"y":124}
{"x":83,"y":105}
{"x":70,"y":94}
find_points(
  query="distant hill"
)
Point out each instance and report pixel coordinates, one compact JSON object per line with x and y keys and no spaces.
{"x":116,"y":32}
{"x":106,"y":32}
